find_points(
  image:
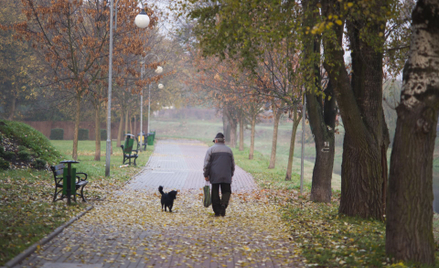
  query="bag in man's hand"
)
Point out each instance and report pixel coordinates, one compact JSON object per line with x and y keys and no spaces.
{"x":207,"y":200}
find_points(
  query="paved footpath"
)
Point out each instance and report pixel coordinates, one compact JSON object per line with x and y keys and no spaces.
{"x":130,"y":230}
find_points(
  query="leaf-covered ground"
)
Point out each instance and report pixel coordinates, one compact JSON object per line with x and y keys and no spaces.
{"x":129,"y":228}
{"x":27,"y":212}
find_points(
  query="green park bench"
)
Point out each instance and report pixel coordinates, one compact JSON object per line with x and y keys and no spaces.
{"x":77,"y":183}
{"x":128,"y":151}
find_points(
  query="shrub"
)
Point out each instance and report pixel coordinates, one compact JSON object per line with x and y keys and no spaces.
{"x":83,"y":134}
{"x":39,"y":164}
{"x":4,"y":164}
{"x":2,"y":150}
{"x":24,"y":155}
{"x":31,"y":138}
{"x":10,"y":156}
{"x":103,"y":134}
{"x":22,"y":148}
{"x":57,"y":134}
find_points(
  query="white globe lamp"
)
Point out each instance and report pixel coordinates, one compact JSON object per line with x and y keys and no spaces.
{"x":142,"y":20}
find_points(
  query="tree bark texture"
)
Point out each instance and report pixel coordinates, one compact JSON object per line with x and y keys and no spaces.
{"x":75,"y":135}
{"x":130,"y":125}
{"x":322,"y":123}
{"x":409,"y":233}
{"x":321,"y":110}
{"x":127,"y":117}
{"x":252,"y":136}
{"x":360,"y":104}
{"x":13,"y":108}
{"x":230,"y":114}
{"x":119,"y":132}
{"x":241,"y":131}
{"x":98,"y":133}
{"x":296,"y":121}
{"x":226,"y":128}
{"x":135,"y":126}
{"x":277,"y":116}
{"x":233,"y":130}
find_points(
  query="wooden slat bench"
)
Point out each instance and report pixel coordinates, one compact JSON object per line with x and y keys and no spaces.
{"x":128,"y":151}
{"x":58,"y":175}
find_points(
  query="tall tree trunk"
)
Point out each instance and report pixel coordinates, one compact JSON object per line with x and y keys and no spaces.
{"x":296,"y":121}
{"x":233,"y":130}
{"x":230,"y":115}
{"x":241,"y":131}
{"x":127,"y":117}
{"x":226,"y":128}
{"x":131,"y":125}
{"x":409,"y":230}
{"x":135,"y":126}
{"x":252,"y":136}
{"x":98,"y":133}
{"x":321,"y":113}
{"x":274,"y":140}
{"x":361,"y":109}
{"x":322,"y":123}
{"x":75,"y":134}
{"x":119,"y":131}
{"x":13,"y":108}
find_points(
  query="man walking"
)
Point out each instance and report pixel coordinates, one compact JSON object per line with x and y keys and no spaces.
{"x":219,"y":166}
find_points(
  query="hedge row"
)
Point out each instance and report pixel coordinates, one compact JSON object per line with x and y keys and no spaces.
{"x":83,"y":134}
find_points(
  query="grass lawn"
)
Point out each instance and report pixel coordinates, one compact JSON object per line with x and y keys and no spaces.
{"x":27,"y":212}
{"x":326,"y":238}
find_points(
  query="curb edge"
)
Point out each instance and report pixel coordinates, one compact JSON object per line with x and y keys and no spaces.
{"x":20,"y":257}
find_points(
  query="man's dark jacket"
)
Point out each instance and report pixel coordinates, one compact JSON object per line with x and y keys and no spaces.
{"x":219,"y":164}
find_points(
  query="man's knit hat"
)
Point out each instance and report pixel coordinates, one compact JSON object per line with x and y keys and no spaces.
{"x":219,"y":136}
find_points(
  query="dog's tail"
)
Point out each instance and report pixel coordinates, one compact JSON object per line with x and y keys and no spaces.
{"x":161,"y":190}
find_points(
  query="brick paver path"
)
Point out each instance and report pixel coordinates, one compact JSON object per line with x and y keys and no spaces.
{"x":130,"y":230}
{"x":178,"y":164}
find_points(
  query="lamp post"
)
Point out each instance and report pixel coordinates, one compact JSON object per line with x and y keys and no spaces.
{"x":160,"y":86}
{"x":158,"y":70}
{"x":142,"y":21}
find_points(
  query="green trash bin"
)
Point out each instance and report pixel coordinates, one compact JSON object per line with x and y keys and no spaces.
{"x":150,"y":139}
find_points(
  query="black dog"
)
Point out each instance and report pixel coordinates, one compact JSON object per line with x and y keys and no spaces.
{"x":167,"y":198}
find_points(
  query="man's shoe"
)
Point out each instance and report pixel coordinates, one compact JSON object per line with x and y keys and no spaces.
{"x":223,"y":210}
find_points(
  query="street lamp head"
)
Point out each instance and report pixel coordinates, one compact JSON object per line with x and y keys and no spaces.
{"x":161,"y":86}
{"x":159,"y":69}
{"x":142,"y":19}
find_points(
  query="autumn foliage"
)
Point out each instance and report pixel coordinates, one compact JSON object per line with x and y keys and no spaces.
{"x":73,"y":39}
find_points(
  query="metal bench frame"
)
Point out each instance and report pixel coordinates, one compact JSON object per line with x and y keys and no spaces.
{"x":128,"y":152}
{"x":58,"y":176}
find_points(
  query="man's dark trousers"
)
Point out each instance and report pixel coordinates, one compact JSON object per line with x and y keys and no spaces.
{"x":217,"y":202}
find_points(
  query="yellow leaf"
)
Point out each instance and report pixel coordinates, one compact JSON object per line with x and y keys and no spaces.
{"x":350,"y":4}
{"x":339,"y":22}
